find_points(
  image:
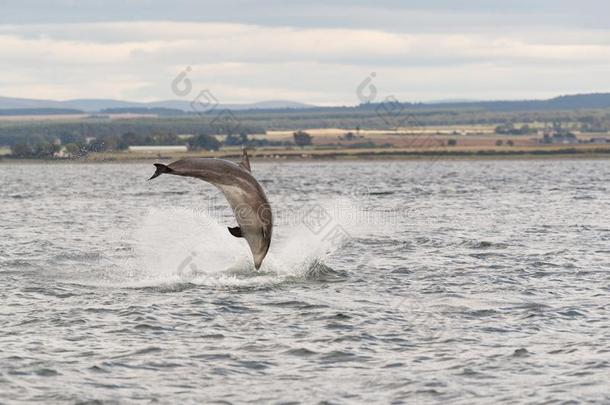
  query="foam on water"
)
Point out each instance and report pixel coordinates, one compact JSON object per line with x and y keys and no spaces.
{"x":178,"y":245}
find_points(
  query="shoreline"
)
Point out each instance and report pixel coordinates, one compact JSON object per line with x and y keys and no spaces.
{"x":335,"y":156}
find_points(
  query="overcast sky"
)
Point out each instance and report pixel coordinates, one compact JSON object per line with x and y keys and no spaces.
{"x":317,"y":52}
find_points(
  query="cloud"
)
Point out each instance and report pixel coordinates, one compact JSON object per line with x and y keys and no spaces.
{"x":391,"y":15}
{"x":244,"y":62}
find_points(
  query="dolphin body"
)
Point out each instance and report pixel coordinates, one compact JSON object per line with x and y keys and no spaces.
{"x":244,"y":194}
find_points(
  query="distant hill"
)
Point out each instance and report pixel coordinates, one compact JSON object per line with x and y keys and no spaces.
{"x":569,"y":102}
{"x":98,"y":105}
{"x":21,"y":103}
{"x":39,"y":111}
{"x":181,"y":107}
{"x":162,"y":112}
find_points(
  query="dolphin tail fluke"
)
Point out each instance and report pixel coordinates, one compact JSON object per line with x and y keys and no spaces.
{"x":161,"y":168}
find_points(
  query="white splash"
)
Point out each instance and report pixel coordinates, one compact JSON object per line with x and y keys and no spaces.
{"x":179,"y":245}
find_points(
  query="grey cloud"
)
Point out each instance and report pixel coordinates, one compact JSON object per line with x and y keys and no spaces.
{"x":380,"y":14}
{"x":315,"y":51}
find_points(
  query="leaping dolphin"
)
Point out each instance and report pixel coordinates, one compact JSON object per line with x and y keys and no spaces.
{"x":245,"y":195}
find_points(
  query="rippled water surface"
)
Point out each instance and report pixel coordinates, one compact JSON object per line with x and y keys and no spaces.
{"x":406,"y":282}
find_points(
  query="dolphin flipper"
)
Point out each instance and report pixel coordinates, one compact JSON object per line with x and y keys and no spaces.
{"x":236,"y":231}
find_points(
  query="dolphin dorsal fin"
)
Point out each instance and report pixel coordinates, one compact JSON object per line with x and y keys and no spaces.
{"x":245,"y":161}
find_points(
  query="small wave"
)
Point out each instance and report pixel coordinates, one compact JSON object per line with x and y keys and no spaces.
{"x":157,"y":193}
{"x":318,"y":271}
{"x":522,"y":352}
{"x":483,"y":244}
{"x":23,"y":196}
{"x":382,"y":192}
{"x":300,"y":352}
{"x":17,"y":264}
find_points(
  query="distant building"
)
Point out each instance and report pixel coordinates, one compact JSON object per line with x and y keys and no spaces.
{"x":62,"y":153}
{"x":157,"y":149}
{"x":554,"y":137}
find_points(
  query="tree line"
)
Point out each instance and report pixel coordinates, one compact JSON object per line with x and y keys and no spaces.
{"x":75,"y":145}
{"x":253,"y":122}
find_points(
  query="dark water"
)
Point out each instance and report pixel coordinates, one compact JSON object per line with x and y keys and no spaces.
{"x":406,"y":282}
